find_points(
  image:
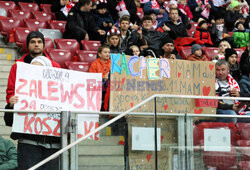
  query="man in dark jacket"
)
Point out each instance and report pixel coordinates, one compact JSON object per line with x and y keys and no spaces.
{"x":174,"y":27}
{"x":31,"y":148}
{"x":80,"y":24}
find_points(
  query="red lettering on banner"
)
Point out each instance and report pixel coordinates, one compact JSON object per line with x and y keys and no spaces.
{"x":26,"y":105}
{"x":88,"y":129}
{"x":40,"y":88}
{"x":79,"y":97}
{"x":38,"y":120}
{"x":27,"y":123}
{"x":97,"y":133}
{"x":90,"y":96}
{"x":47,"y":126}
{"x":52,"y":90}
{"x":55,"y":133}
{"x":66,"y":95}
{"x":33,"y":88}
{"x":18,"y":90}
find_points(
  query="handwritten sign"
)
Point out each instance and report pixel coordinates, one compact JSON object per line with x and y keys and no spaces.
{"x":54,"y":89}
{"x":160,"y":76}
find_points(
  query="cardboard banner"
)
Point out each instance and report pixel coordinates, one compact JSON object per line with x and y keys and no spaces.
{"x":54,"y":89}
{"x":134,"y":79}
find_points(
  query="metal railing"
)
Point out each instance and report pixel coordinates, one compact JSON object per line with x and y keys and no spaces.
{"x":181,"y":129}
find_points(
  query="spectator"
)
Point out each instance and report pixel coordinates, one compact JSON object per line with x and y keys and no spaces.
{"x":223,"y":45}
{"x":118,"y":7}
{"x":135,"y":49}
{"x":149,"y":53}
{"x":159,"y":7}
{"x":231,"y":57}
{"x":102,"y":65}
{"x":61,"y":8}
{"x":245,"y":61}
{"x":184,"y":8}
{"x":8,"y":155}
{"x":80,"y":24}
{"x":198,"y":6}
{"x":102,"y":17}
{"x":218,"y":30}
{"x":114,"y":41}
{"x":202,"y":34}
{"x":197,"y":54}
{"x":174,"y":26}
{"x":226,"y":86}
{"x":153,"y":15}
{"x":241,"y":37}
{"x":233,"y":14}
{"x":128,"y":37}
{"x":153,"y":38}
{"x":169,"y":51}
{"x":244,"y":8}
{"x":31,"y":148}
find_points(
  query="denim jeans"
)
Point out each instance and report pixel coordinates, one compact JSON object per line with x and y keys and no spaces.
{"x":29,"y":155}
{"x":227,"y":119}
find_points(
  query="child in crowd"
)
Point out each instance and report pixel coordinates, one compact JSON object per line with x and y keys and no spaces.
{"x":184,"y":8}
{"x":202,"y":34}
{"x":113,"y":40}
{"x":136,"y":50}
{"x":221,"y":50}
{"x":197,"y":54}
{"x":102,"y":16}
{"x":241,"y":37}
{"x":231,"y":57}
{"x":102,"y":65}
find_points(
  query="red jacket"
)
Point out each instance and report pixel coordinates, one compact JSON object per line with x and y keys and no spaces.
{"x":10,"y":91}
{"x":203,"y":37}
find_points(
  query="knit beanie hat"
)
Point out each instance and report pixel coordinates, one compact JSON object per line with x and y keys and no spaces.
{"x":238,"y":23}
{"x":234,"y":3}
{"x":42,"y":60}
{"x":166,"y":40}
{"x":34,"y":34}
{"x":195,"y":47}
{"x":229,"y":52}
{"x":100,"y":4}
{"x":113,"y":31}
{"x":123,"y":13}
{"x":201,"y":21}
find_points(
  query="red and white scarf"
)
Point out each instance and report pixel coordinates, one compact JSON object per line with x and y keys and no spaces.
{"x":156,"y":5}
{"x":121,"y":6}
{"x":67,"y":8}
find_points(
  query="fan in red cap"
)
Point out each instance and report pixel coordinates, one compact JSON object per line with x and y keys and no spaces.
{"x":113,"y":40}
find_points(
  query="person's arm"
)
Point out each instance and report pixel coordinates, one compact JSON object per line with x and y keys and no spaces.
{"x":11,"y":155}
{"x":224,"y":106}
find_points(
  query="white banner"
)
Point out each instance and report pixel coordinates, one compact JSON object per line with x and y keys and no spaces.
{"x":54,"y":89}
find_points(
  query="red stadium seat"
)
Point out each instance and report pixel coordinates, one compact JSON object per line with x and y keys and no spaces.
{"x":21,"y":35}
{"x":185,"y":51}
{"x":244,"y":149}
{"x":28,"y":6}
{"x":190,"y":32}
{"x":6,"y":25}
{"x":244,"y":165}
{"x":35,"y":24}
{"x":60,"y":56}
{"x":210,"y":52}
{"x":46,"y":8}
{"x":60,"y":25}
{"x":7,"y":5}
{"x":230,"y":33}
{"x":244,"y":130}
{"x":48,"y":44}
{"x":43,"y":16}
{"x":68,"y":44}
{"x":78,"y":66}
{"x":90,"y":45}
{"x":86,"y":56}
{"x":19,"y":14}
{"x":193,"y":26}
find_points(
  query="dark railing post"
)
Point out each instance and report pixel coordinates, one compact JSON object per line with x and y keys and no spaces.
{"x":156,"y":154}
{"x":64,"y":159}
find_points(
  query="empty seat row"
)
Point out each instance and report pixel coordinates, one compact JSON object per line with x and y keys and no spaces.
{"x":25,"y":6}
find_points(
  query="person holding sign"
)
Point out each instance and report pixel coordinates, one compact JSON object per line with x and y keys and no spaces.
{"x":31,"y":148}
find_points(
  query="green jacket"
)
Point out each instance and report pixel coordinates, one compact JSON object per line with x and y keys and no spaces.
{"x":8,"y":155}
{"x":241,"y":39}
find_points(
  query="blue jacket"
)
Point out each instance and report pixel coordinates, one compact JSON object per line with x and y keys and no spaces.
{"x":244,"y":86}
